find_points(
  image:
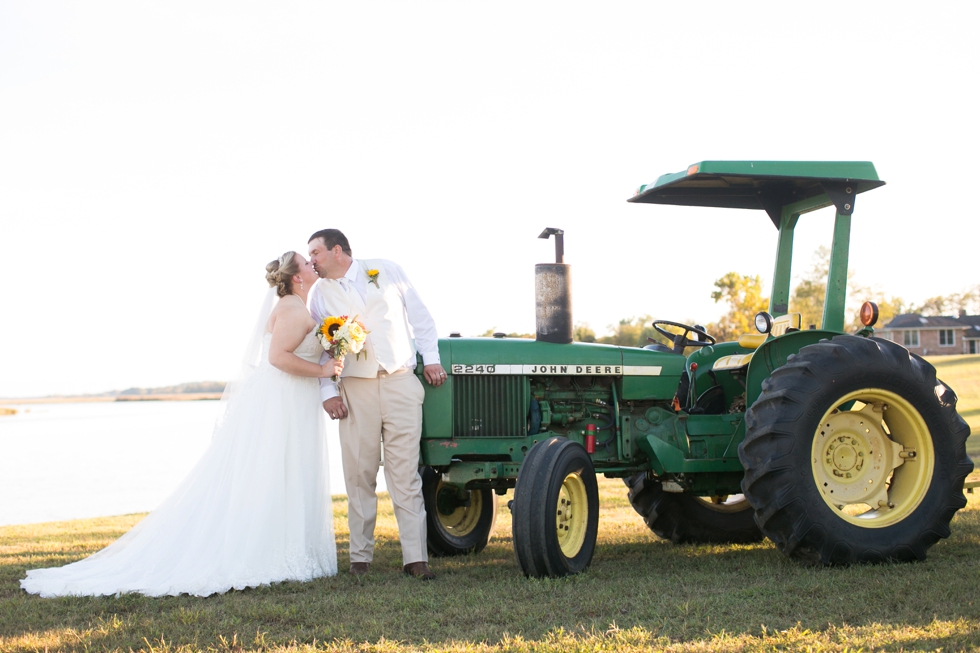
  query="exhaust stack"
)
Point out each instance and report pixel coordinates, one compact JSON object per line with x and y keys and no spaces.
{"x":553,"y":294}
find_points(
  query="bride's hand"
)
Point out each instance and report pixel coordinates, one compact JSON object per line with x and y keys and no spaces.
{"x":332,"y":367}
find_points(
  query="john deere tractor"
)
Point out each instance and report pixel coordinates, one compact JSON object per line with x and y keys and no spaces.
{"x":839,"y":447}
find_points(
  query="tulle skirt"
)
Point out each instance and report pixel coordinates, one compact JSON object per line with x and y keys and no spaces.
{"x":256,"y":509}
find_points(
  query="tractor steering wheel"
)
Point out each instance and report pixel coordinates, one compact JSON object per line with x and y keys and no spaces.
{"x":681,"y":340}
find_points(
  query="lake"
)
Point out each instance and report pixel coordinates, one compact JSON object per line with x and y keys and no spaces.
{"x":78,"y":460}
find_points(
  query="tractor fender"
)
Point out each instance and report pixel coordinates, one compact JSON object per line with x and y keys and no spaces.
{"x":773,"y":354}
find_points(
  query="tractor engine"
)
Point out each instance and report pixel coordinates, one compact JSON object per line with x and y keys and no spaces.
{"x":568,"y":403}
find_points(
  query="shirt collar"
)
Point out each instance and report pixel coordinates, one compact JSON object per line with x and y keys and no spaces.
{"x":351,"y":274}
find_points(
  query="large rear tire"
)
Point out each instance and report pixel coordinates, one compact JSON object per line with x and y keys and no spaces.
{"x":854,"y":452}
{"x":555,"y":509}
{"x":685,"y":518}
{"x":456,"y":527}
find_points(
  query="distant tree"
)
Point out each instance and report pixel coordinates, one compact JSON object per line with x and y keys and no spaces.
{"x":809,"y":294}
{"x":492,"y":330}
{"x":966,"y":303}
{"x":934,"y":306}
{"x":583,"y":333}
{"x":889,"y":308}
{"x":198,"y":387}
{"x":631,"y":332}
{"x":970,"y":301}
{"x":743,"y":295}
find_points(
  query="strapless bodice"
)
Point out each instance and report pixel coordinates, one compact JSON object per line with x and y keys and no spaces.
{"x":309,"y":349}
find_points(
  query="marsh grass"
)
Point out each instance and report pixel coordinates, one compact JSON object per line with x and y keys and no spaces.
{"x":641,"y":593}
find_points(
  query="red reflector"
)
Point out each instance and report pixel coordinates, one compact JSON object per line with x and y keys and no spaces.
{"x":869,"y":313}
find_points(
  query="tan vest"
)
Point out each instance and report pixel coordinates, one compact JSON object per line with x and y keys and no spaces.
{"x":389,"y":343}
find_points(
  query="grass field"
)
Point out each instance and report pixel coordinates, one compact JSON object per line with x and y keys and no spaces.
{"x":962,"y":373}
{"x":641,"y":593}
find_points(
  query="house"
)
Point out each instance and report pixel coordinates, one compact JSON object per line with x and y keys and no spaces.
{"x":934,"y":336}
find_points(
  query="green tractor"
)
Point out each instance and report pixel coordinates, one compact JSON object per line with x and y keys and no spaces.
{"x":840,"y":448}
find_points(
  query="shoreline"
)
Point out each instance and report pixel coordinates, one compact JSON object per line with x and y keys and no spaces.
{"x":186,"y":396}
{"x":382,"y":495}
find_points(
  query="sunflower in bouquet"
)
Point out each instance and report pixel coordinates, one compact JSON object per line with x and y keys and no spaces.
{"x":341,"y":335}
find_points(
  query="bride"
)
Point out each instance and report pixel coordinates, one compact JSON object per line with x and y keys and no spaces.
{"x":256,"y":509}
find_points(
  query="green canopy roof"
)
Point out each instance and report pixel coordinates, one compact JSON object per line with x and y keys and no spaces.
{"x":763,"y":185}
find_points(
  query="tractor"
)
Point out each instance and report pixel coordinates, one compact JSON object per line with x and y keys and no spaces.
{"x":839,"y":447}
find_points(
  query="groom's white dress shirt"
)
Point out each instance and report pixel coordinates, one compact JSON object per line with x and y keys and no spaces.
{"x":426,"y":340}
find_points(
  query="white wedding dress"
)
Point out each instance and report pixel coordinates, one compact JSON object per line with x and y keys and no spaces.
{"x":256,"y":509}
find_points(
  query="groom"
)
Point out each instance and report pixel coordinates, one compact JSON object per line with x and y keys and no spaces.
{"x":378,"y":398}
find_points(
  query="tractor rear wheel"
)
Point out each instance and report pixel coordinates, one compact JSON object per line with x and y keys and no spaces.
{"x":555,"y":509}
{"x":456,"y":527}
{"x":685,"y":518}
{"x":854,"y":452}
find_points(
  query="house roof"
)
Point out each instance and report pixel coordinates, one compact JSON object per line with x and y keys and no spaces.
{"x":969,"y":323}
{"x":972,"y":320}
{"x":973,"y":331}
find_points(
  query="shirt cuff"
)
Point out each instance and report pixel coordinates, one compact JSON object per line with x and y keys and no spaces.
{"x":430,"y":358}
{"x":328,"y":390}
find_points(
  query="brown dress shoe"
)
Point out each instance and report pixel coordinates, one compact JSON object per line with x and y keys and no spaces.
{"x":419,"y":570}
{"x":359,"y":568}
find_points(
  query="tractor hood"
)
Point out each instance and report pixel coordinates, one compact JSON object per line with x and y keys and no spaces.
{"x":645,"y":373}
{"x":525,"y":356}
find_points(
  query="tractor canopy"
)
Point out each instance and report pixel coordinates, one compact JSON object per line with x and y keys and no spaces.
{"x":765,"y":185}
{"x":784,"y":190}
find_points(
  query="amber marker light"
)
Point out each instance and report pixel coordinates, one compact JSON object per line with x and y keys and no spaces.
{"x":869,"y":314}
{"x":692,"y":170}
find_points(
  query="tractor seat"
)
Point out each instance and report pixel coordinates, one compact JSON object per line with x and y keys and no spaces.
{"x":780,"y":326}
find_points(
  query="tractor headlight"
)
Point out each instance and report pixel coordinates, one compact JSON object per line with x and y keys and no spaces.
{"x":763,"y":322}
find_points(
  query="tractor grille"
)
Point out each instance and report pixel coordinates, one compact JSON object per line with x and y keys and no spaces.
{"x":489,"y":406}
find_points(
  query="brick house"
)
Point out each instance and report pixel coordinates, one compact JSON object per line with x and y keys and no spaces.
{"x":934,"y":336}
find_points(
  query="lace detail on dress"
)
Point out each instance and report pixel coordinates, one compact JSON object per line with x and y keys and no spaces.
{"x":309,"y":349}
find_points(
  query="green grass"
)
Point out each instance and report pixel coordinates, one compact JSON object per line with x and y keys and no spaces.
{"x":641,"y":593}
{"x":962,"y":373}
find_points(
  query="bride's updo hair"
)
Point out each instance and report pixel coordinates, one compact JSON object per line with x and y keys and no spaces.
{"x":279,"y":273}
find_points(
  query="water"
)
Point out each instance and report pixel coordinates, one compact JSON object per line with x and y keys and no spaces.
{"x":72,"y":461}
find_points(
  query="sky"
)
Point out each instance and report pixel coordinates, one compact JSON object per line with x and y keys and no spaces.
{"x":154,"y":156}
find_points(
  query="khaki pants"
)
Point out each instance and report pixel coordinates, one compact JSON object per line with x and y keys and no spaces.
{"x":387,"y":408}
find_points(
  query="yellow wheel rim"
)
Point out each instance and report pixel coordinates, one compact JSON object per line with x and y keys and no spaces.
{"x":463,"y":519}
{"x":724,"y":502}
{"x":872,"y":458}
{"x":572,"y":515}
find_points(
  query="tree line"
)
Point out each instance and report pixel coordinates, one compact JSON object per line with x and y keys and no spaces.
{"x":743,"y":299}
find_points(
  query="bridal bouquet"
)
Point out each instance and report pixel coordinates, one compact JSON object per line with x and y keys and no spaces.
{"x":341,"y":335}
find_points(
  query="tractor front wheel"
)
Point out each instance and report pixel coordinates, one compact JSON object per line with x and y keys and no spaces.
{"x":685,"y":518}
{"x":854,"y":452}
{"x":456,"y":526}
{"x":555,"y":509}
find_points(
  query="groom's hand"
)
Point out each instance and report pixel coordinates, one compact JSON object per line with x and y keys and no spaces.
{"x":434,"y":374}
{"x":335,"y":408}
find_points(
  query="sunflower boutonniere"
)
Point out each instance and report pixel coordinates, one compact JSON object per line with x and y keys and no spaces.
{"x":373,"y":278}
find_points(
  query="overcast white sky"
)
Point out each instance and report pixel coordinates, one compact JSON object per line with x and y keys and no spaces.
{"x":155,"y":155}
